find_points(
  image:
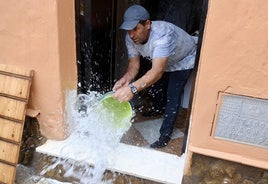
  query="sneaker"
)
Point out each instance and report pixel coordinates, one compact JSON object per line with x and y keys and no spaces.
{"x":162,"y":142}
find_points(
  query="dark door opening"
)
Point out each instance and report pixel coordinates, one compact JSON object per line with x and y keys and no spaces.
{"x":95,"y":44}
{"x":100,"y":43}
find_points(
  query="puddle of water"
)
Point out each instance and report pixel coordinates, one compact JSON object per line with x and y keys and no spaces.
{"x":93,"y":136}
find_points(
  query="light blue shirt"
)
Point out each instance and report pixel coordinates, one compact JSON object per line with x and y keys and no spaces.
{"x":166,"y":40}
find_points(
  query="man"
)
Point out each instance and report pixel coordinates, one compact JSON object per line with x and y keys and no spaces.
{"x":172,"y":53}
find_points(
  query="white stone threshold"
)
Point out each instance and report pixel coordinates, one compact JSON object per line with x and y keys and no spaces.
{"x":136,"y":161}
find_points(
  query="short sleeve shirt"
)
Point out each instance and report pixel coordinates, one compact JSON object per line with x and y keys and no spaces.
{"x":166,"y":40}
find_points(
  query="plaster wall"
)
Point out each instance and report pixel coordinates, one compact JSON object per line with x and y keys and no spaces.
{"x":39,"y":35}
{"x":234,"y":59}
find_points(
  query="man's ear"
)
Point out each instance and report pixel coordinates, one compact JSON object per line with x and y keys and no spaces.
{"x":148,"y":24}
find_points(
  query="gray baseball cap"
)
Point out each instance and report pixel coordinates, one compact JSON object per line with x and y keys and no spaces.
{"x":133,"y":15}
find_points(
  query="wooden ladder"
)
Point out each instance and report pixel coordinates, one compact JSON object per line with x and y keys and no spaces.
{"x":14,"y":93}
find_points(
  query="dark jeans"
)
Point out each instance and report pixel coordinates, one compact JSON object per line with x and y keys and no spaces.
{"x":169,"y":88}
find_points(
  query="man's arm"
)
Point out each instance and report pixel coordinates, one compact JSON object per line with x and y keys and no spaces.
{"x":131,"y":73}
{"x":154,"y":74}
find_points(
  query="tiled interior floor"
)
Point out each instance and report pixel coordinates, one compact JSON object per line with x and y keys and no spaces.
{"x":134,"y":137}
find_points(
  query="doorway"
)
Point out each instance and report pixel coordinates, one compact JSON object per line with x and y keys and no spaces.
{"x":102,"y":58}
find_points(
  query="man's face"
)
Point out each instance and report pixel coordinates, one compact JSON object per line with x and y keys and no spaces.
{"x":140,"y":33}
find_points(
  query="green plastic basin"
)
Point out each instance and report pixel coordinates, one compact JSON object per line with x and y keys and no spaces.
{"x":120,"y":113}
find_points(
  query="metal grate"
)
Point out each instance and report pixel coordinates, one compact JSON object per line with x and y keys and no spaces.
{"x":243,"y":119}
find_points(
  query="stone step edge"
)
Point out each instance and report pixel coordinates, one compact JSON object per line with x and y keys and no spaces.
{"x":136,"y":161}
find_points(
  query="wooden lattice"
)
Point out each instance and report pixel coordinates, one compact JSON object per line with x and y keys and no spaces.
{"x":14,"y":94}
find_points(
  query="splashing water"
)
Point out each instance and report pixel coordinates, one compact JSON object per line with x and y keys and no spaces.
{"x":94,"y":136}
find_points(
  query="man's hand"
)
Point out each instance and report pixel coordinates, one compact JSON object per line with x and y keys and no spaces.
{"x":122,"y":82}
{"x":123,"y":94}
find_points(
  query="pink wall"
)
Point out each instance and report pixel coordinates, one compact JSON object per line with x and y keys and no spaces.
{"x":234,"y":59}
{"x":40,"y":35}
